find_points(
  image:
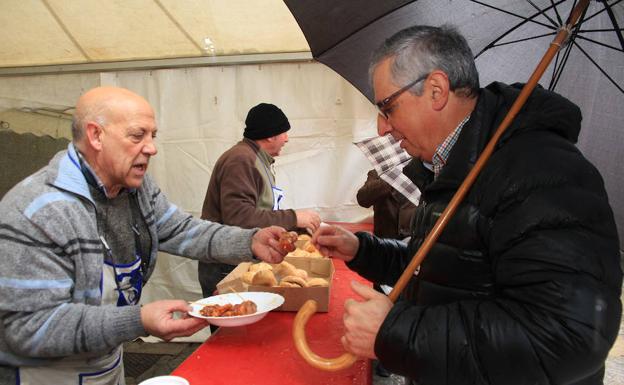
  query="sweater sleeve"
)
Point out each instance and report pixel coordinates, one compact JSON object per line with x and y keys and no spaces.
{"x":182,"y":234}
{"x":240,"y":186}
{"x":49,"y":285}
{"x":373,"y":190}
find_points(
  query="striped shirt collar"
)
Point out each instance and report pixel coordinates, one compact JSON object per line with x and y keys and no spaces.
{"x":441,"y":155}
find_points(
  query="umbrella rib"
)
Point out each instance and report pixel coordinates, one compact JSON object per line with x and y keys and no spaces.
{"x":558,"y":70}
{"x":560,"y":22}
{"x":599,"y":68}
{"x":600,"y":43}
{"x":618,"y":31}
{"x":524,"y":18}
{"x":523,"y":39}
{"x":545,"y":15}
{"x":524,"y":21}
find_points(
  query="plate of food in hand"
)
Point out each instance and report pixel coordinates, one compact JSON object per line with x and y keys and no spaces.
{"x":236,"y":309}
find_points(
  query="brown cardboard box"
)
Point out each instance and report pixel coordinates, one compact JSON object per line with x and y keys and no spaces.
{"x":294,"y":298}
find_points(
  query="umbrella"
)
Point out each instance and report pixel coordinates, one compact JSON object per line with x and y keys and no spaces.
{"x":507,"y":39}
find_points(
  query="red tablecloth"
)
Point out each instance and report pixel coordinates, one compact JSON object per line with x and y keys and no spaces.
{"x":264,"y":352}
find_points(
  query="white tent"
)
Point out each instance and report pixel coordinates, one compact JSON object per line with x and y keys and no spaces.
{"x":202,"y":64}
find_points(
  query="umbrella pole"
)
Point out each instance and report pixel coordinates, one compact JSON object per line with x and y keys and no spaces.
{"x":307,"y":310}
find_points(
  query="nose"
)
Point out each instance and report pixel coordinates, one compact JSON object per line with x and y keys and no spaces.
{"x":149,"y":148}
{"x":383,"y":126}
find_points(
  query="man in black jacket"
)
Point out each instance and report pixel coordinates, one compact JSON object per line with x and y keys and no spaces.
{"x":523,"y":286}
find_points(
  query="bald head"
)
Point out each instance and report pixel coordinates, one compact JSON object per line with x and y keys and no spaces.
{"x":104,"y":105}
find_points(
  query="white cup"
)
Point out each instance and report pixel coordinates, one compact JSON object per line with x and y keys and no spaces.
{"x":165,"y":380}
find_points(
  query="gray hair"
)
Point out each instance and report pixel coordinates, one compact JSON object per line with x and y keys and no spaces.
{"x":80,"y":118}
{"x":418,"y":50}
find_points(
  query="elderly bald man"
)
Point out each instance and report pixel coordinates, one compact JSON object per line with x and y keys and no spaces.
{"x":79,"y":241}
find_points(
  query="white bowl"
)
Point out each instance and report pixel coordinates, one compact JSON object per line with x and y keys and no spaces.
{"x":165,"y":380}
{"x":264,"y":301}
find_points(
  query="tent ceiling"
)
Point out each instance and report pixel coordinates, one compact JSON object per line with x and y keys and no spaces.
{"x":54,"y":32}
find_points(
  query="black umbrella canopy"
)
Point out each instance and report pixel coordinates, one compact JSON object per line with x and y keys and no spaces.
{"x":508,"y":39}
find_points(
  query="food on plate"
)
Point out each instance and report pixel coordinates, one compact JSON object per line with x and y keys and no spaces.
{"x":317,"y":282}
{"x":260,"y":266}
{"x":248,"y":277}
{"x":229,"y":310}
{"x":264,"y":278}
{"x":287,"y":241}
{"x":300,"y":282}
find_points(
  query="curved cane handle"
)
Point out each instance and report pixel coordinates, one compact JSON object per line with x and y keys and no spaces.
{"x":327,"y":364}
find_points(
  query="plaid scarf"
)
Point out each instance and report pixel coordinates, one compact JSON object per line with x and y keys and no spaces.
{"x":388,"y":159}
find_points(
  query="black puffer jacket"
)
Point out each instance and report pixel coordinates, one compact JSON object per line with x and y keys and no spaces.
{"x":523,"y":286}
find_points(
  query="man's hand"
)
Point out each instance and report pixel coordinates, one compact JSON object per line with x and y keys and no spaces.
{"x":157,"y":319}
{"x":336,"y":242}
{"x":308,"y":219}
{"x":265,"y":244}
{"x":362,"y":320}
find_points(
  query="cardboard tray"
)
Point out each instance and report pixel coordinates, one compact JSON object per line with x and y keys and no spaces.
{"x":294,"y":298}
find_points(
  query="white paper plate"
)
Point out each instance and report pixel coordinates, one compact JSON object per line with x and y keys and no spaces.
{"x":264,"y":301}
{"x":165,"y":380}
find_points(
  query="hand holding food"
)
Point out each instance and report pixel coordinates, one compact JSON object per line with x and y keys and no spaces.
{"x":336,"y":242}
{"x":265,"y":244}
{"x":287,"y":241}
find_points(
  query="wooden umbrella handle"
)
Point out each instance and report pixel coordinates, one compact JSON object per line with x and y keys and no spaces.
{"x":328,"y":364}
{"x":307,"y":310}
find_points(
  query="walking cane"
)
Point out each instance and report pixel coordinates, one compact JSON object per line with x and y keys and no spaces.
{"x":309,"y":307}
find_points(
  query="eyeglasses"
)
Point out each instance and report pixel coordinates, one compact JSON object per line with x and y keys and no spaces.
{"x":382,"y":104}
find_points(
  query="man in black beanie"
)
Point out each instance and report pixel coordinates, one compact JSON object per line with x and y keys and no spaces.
{"x":242,"y":190}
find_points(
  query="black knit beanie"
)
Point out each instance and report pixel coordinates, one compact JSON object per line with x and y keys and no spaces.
{"x":264,"y":121}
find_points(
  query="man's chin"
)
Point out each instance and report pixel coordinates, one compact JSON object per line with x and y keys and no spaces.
{"x":134,"y":182}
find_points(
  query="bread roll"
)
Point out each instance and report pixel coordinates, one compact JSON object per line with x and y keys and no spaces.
{"x":288,"y":284}
{"x":304,"y":237}
{"x":248,"y":277}
{"x":309,"y":247}
{"x":295,"y":280}
{"x":301,"y":273}
{"x":317,"y":282}
{"x":260,"y":266}
{"x":284,"y":268}
{"x":264,"y":278}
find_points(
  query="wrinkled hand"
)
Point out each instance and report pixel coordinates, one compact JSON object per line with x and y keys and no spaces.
{"x":362,"y":320}
{"x":157,"y":319}
{"x":308,"y":219}
{"x":336,"y":242}
{"x":265,"y":244}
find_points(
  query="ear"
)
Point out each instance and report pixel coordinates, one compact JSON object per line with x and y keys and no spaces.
{"x":93,"y":134}
{"x":439,"y":90}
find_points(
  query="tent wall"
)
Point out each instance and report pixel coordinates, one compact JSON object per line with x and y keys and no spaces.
{"x":23,"y":154}
{"x":200,"y":113}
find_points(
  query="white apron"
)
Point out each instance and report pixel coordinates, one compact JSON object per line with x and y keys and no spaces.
{"x":90,"y":369}
{"x":278,"y":197}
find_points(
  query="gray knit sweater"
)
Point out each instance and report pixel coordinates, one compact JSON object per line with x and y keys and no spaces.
{"x":51,"y":265}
